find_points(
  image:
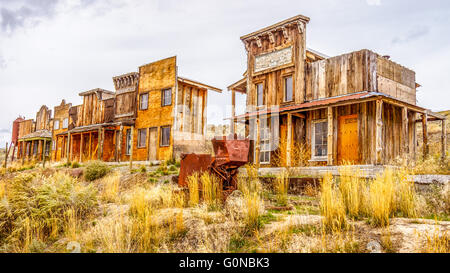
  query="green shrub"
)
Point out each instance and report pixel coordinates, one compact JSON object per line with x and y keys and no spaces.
{"x":75,"y":165}
{"x":173,"y":168}
{"x":95,"y":170}
{"x":142,"y":169}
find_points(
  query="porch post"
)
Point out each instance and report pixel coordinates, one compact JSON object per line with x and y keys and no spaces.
{"x":40,"y":153}
{"x":69,"y":147}
{"x":405,"y":140}
{"x":443,"y":140}
{"x":23,"y":151}
{"x":425,"y":134}
{"x":289,"y":140}
{"x":81,"y":147}
{"x":257,"y":141}
{"x":102,"y":132}
{"x":119,"y":150}
{"x":378,"y":131}
{"x":90,"y":145}
{"x":330,"y":137}
{"x":233,"y":112}
{"x":131,"y":149}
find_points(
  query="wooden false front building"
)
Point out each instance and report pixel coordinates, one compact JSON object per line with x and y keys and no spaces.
{"x":357,"y":108}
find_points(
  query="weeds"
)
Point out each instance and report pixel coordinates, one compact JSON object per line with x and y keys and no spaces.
{"x":95,"y":170}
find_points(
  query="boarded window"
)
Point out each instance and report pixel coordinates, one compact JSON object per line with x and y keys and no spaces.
{"x":260,"y":94}
{"x":65,"y":123}
{"x":319,"y":147}
{"x":56,"y":124}
{"x":288,"y":89}
{"x":166,"y":97}
{"x":165,"y":136}
{"x":142,"y":138}
{"x":128,"y":142}
{"x":143,"y":99}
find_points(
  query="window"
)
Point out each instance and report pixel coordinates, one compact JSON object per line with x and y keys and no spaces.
{"x":143,"y":102}
{"x":288,"y":89}
{"x":66,"y":123}
{"x":264,"y":151}
{"x":128,"y":143}
{"x":56,"y":125}
{"x":319,"y":140}
{"x":259,"y":94}
{"x":165,"y":136}
{"x":166,"y":97}
{"x":142,"y":138}
{"x":47,"y":148}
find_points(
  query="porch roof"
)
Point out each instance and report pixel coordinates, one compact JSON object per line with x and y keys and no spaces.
{"x":325,"y":102}
{"x":41,"y":134}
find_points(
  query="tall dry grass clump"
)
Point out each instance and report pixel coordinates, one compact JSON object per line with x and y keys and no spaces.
{"x":405,"y":195}
{"x":437,"y":242}
{"x":251,"y":188}
{"x":353,"y":190}
{"x":332,"y":206}
{"x":110,"y":187}
{"x":194,"y":196}
{"x":211,"y":190}
{"x":95,"y":170}
{"x":281,"y":188}
{"x":37,"y":208}
{"x":300,"y":154}
{"x":382,"y":198}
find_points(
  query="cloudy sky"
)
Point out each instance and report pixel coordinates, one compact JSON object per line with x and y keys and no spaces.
{"x":54,"y":49}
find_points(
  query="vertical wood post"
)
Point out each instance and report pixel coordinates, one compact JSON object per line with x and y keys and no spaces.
{"x":330,"y":137}
{"x":289,"y":140}
{"x":257,"y":142}
{"x":90,"y":145}
{"x":378,"y":132}
{"x":444,"y":140}
{"x":119,"y":153}
{"x":40,"y":153}
{"x":131,"y":149}
{"x":233,"y":112}
{"x":405,"y":139}
{"x":81,"y":147}
{"x":102,"y":133}
{"x":425,"y":134}
{"x":23,"y":151}
{"x":69,"y":147}
{"x":43,"y":152}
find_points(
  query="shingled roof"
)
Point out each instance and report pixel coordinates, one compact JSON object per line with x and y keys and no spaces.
{"x":38,"y":134}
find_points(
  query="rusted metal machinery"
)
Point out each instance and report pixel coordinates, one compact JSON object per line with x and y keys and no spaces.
{"x":230,"y":154}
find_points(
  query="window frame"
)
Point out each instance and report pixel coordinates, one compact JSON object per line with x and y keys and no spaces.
{"x":56,"y":121}
{"x":265,"y":138}
{"x":139,"y":140}
{"x":64,"y":126}
{"x":140,"y":101}
{"x":286,"y":76}
{"x":257,"y":94}
{"x":163,"y":97}
{"x":162,"y":135}
{"x":314,"y":157}
{"x":128,"y":144}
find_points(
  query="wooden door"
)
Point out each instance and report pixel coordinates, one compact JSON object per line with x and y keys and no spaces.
{"x":348,"y":147}
{"x":152,"y":142}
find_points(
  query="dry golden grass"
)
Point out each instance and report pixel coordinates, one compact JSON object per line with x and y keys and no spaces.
{"x":110,"y":187}
{"x":300,"y":154}
{"x":381,"y":196}
{"x":332,"y":206}
{"x":352,"y":188}
{"x":211,"y":190}
{"x":193,"y":186}
{"x":281,"y":188}
{"x":437,"y":242}
{"x":251,"y":188}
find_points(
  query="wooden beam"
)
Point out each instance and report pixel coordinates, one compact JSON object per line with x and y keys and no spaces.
{"x":444,"y":140}
{"x":81,"y":147}
{"x":233,"y":112}
{"x":90,"y":145}
{"x":425,"y":134}
{"x":119,"y":150}
{"x":23,"y":151}
{"x":69,"y":147}
{"x":131,"y":149}
{"x":257,"y":142}
{"x":405,"y":140}
{"x":378,"y":132}
{"x":289,"y":140}
{"x":102,"y":132}
{"x":330,"y":137}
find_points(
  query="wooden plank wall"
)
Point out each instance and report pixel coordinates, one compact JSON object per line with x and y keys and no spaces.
{"x":43,"y":118}
{"x":340,"y":75}
{"x":155,"y":77}
{"x":396,"y":80}
{"x":92,"y":111}
{"x":273,"y":78}
{"x":25,"y":127}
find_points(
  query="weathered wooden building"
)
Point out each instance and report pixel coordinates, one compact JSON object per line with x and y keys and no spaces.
{"x":34,"y":138}
{"x":153,"y":115}
{"x":359,"y":107}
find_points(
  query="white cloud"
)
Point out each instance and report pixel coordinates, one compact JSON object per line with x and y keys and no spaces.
{"x":373,"y":2}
